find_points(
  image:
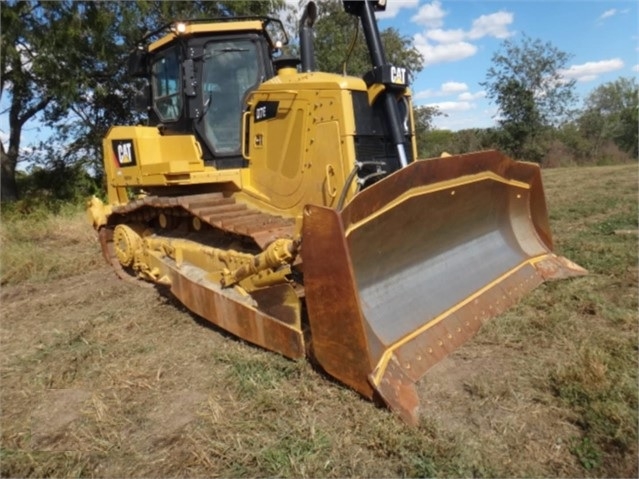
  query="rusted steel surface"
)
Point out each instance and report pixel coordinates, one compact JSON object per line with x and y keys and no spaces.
{"x":240,"y":316}
{"x":443,"y":335}
{"x":341,"y":341}
{"x":439,"y":170}
{"x":415,"y":264}
{"x":399,"y":392}
{"x":558,"y":267}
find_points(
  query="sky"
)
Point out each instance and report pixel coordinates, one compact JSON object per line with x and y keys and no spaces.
{"x":459,"y":37}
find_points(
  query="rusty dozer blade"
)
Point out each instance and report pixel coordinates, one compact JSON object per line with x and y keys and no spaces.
{"x":413,"y":266}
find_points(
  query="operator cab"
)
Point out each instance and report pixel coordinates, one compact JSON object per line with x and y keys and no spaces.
{"x":200,"y":74}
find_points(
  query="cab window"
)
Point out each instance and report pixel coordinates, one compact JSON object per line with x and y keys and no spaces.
{"x":167,"y":97}
{"x":231,"y":70}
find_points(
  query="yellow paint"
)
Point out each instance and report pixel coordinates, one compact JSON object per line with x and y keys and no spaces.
{"x":301,"y":156}
{"x":288,"y":156}
{"x":314,"y":126}
{"x":97,"y":212}
{"x":159,"y":160}
{"x":219,"y":27}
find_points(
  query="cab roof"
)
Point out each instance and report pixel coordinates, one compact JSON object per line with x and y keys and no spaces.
{"x":272,"y":27}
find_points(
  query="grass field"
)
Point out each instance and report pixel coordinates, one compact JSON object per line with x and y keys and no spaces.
{"x":102,"y":379}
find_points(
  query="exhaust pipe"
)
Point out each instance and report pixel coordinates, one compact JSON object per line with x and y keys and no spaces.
{"x":306,"y":37}
{"x":365,"y":11}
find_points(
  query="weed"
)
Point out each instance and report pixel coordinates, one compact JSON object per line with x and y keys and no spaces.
{"x":588,"y":454}
{"x":626,"y":221}
{"x":423,"y":465}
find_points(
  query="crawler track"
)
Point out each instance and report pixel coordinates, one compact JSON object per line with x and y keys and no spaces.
{"x":215,"y":209}
{"x":269,"y":316}
{"x":222,"y":213}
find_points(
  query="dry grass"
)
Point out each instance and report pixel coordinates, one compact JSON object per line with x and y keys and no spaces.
{"x":101,"y":379}
{"x":45,"y":247}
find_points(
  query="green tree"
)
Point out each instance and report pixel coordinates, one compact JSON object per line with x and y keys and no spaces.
{"x":473,"y":139}
{"x":525,"y":82}
{"x":435,"y":142}
{"x":106,"y":94}
{"x":340,"y":46}
{"x":66,"y":61}
{"x":432,"y":143}
{"x":53,"y":51}
{"x":21,"y":73}
{"x":423,"y":117}
{"x":571,"y":146}
{"x":610,"y":114}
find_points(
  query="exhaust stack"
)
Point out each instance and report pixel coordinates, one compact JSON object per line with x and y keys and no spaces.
{"x":306,"y":37}
{"x":382,"y":72}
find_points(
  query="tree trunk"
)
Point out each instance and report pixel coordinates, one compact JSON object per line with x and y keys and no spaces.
{"x":18,"y":116}
{"x":8,"y":185}
{"x":10,"y":157}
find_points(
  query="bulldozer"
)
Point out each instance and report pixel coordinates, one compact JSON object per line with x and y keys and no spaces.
{"x":288,"y":207}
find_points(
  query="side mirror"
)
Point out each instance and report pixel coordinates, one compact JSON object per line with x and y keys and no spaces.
{"x":137,"y":63}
